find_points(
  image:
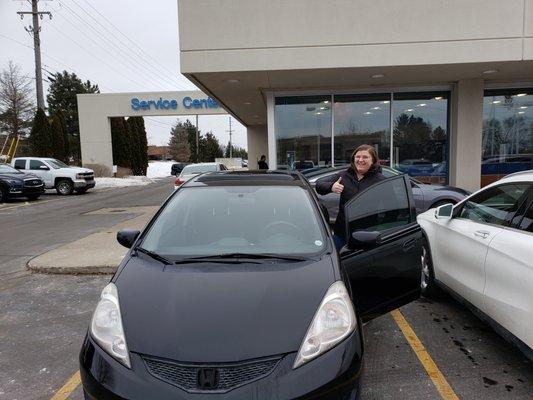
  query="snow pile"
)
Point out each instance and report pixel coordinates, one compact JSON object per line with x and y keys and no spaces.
{"x":156,"y":169}
{"x":159,"y":169}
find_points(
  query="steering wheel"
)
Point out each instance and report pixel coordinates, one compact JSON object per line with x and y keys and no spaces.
{"x":277,"y":227}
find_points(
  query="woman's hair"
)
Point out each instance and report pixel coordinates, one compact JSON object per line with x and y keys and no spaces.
{"x":365,"y":147}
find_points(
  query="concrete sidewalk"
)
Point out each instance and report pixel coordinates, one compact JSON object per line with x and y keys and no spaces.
{"x":99,"y":253}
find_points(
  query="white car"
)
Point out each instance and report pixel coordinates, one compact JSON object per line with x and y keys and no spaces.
{"x":481,"y":251}
{"x":56,"y":174}
{"x":191,"y":170}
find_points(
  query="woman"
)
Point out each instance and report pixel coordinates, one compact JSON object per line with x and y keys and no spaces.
{"x":364,"y":171}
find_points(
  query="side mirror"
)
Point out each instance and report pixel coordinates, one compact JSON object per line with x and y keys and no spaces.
{"x":444,"y":212}
{"x":44,"y":167}
{"x":362,"y":239}
{"x":126,"y":237}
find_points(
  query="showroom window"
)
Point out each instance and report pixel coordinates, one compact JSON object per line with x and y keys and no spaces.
{"x":507,"y":144}
{"x":303,"y":132}
{"x":420,"y":138}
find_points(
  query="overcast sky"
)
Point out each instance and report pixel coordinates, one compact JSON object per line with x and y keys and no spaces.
{"x":122,"y":45}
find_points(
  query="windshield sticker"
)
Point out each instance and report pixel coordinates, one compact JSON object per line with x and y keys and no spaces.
{"x":318,"y":242}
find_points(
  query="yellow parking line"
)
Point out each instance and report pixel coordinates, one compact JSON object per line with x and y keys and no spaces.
{"x":431,"y":368}
{"x":68,"y":387}
{"x":25,"y":204}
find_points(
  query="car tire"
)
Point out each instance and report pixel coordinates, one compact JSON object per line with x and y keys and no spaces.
{"x":33,"y":197}
{"x":428,"y":286}
{"x":64,"y":187}
{"x":3,"y":194}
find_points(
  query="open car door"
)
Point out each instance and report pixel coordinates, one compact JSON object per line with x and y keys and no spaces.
{"x":383,"y":253}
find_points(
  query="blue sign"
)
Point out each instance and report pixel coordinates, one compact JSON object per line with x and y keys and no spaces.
{"x":172,"y":104}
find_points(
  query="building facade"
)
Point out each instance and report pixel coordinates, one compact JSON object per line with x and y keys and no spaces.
{"x":442,"y":90}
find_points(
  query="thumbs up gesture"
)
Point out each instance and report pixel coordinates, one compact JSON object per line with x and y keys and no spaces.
{"x":338,"y":187}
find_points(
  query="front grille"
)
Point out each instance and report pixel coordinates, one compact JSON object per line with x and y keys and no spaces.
{"x":229,"y":376}
{"x":32,"y":182}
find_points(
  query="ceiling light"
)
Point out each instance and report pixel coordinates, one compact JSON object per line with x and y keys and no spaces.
{"x":523,"y":107}
{"x":376,"y":108}
{"x":496,"y":102}
{"x":520,"y":112}
{"x":319,"y":113}
{"x":326,"y":101}
{"x":490,"y":71}
{"x":322,"y":108}
{"x":438,"y":98}
{"x":421,"y":105}
{"x":385,"y":102}
{"x":255,"y":116}
{"x":232,"y":81}
{"x":368,"y":113}
{"x":521,"y":94}
{"x":409,"y":110}
{"x":247,"y":103}
{"x":377,"y":76}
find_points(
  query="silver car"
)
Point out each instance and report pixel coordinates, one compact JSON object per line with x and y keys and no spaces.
{"x":426,"y":196}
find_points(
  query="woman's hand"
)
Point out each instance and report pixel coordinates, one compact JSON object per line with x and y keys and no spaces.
{"x":338,"y":187}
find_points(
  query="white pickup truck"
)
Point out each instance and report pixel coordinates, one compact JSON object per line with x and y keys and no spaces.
{"x":56,"y":174}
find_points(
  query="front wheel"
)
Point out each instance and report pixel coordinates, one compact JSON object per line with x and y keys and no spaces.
{"x":64,"y":187}
{"x":428,"y":286}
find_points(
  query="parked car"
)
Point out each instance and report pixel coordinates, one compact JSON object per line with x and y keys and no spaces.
{"x":480,"y":251}
{"x":416,"y":167}
{"x":14,"y":183}
{"x":176,"y":168}
{"x":426,"y":196}
{"x":235,"y":290}
{"x":191,"y":170}
{"x":56,"y":174}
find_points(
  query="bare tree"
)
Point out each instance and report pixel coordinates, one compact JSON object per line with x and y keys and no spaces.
{"x":16,"y":101}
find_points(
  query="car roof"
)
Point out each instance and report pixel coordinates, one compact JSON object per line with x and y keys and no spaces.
{"x":247,"y":178}
{"x":518,"y":176}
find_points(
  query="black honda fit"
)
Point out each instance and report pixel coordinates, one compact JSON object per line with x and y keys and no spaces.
{"x":234,"y":290}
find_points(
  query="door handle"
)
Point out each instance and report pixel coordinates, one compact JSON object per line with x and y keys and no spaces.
{"x":482,"y":234}
{"x":409,"y":244}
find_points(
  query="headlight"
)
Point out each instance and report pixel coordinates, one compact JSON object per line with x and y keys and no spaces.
{"x":79,"y":176}
{"x":14,"y":182}
{"x":106,"y":326}
{"x":332,"y":323}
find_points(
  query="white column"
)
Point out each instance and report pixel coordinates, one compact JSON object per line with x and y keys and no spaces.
{"x":466,"y":135}
{"x":272,"y":161}
{"x":257,"y":144}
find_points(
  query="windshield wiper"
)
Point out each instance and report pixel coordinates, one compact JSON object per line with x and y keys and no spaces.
{"x":240,"y":258}
{"x":155,"y":256}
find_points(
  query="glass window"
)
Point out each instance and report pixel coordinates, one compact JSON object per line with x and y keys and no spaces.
{"x":382,"y":207}
{"x":216,"y":220}
{"x":303,"y":132}
{"x":493,"y":205}
{"x":421,"y":135}
{"x":8,"y":169}
{"x":20,"y":164}
{"x":362,"y":119}
{"x":56,"y":164}
{"x":199,"y":169}
{"x":507,"y":133}
{"x":527,"y":221}
{"x":36,"y":164}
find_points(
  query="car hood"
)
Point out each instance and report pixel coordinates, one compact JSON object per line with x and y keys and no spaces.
{"x":18,"y":176}
{"x":214,"y":312}
{"x":437,"y":187}
{"x":76,"y":170}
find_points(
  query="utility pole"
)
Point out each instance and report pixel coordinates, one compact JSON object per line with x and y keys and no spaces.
{"x":34,"y":30}
{"x":230,"y":145}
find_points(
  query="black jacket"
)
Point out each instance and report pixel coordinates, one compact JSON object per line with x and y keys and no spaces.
{"x":262,"y":165}
{"x":352,"y":187}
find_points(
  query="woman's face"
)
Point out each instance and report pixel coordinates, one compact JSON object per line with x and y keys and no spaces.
{"x":362,"y":161}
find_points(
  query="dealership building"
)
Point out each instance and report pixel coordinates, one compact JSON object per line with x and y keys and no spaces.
{"x":442,"y":90}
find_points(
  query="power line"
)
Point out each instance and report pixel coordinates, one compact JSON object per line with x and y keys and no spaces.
{"x":127,"y":38}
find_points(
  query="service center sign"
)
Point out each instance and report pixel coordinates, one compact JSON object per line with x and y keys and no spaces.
{"x":172,"y":104}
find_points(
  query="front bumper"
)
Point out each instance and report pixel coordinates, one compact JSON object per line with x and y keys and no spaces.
{"x":334,"y":375}
{"x":25,"y":191}
{"x":83,"y":184}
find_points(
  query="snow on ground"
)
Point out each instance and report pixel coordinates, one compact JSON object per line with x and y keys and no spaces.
{"x":156,"y":169}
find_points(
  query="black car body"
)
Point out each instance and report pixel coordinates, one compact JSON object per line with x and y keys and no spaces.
{"x":176,"y":168}
{"x":244,"y":296}
{"x":14,"y":183}
{"x":425,"y":195}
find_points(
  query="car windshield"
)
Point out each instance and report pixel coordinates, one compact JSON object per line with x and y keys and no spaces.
{"x":237,"y":219}
{"x":56,"y":164}
{"x":199,"y":169}
{"x":8,"y":169}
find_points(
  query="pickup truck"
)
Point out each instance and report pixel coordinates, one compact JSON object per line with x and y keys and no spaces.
{"x":56,"y":174}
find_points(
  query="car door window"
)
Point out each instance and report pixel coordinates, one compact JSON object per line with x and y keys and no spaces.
{"x":383,"y":207}
{"x":527,"y":221}
{"x":494,"y":205}
{"x":20,"y":164}
{"x":36,"y":164}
